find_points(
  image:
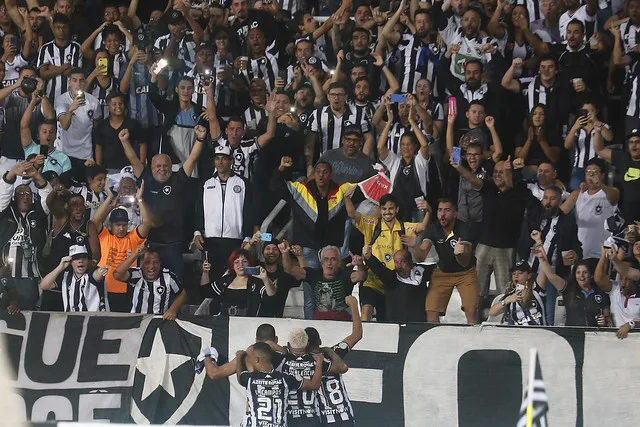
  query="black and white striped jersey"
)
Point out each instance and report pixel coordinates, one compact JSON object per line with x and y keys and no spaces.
{"x":253,"y":115}
{"x":52,"y":54}
{"x":583,"y":149}
{"x":92,"y":200}
{"x":101,"y":93}
{"x":82,"y":293}
{"x":418,"y":60}
{"x":469,"y":49}
{"x":244,"y":156}
{"x":533,"y":7}
{"x":185,"y":49}
{"x":335,"y":405}
{"x":630,"y":34}
{"x":534,"y":92}
{"x":265,"y":68}
{"x":267,"y":394}
{"x":395,"y":135}
{"x":19,"y":253}
{"x":199,"y":96}
{"x":302,"y":405}
{"x":153,"y":297}
{"x":364,"y":111}
{"x":329,"y":127}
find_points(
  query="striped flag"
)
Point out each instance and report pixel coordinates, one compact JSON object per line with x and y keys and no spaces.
{"x":535,"y":404}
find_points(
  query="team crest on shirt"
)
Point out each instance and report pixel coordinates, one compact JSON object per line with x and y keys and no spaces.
{"x":181,"y":50}
{"x":303,"y":118}
{"x":194,"y":117}
{"x":237,"y":189}
{"x":347,"y":123}
{"x":79,"y":239}
{"x":165,"y":385}
{"x":166,"y":190}
{"x":160,"y":290}
{"x":254,"y":24}
{"x":598,"y":298}
{"x":394,"y":59}
{"x":69,"y":57}
{"x":90,"y":114}
{"x":598,"y":210}
{"x":32,"y":223}
{"x":453,"y":243}
{"x":387,"y":257}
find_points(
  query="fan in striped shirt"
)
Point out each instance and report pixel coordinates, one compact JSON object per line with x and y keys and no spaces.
{"x":156,"y":290}
{"x":82,"y":289}
{"x":58,"y":57}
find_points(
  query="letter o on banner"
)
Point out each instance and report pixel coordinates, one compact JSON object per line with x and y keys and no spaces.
{"x":430,"y":378}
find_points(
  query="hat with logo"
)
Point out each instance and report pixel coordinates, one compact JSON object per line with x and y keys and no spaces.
{"x":176,"y":18}
{"x":315,"y":62}
{"x":633,"y":133}
{"x":119,"y":215}
{"x":50,"y":175}
{"x":78,"y":251}
{"x":222,"y":149}
{"x":521,"y":265}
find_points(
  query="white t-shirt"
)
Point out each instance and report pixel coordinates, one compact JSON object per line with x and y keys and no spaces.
{"x":581,"y":15}
{"x":12,"y":70}
{"x":538,"y":192}
{"x":393,"y":163}
{"x":623,"y":309}
{"x":591,"y":213}
{"x":76,"y":141}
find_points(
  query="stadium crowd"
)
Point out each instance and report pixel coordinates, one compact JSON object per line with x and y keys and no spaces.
{"x":420,"y":147}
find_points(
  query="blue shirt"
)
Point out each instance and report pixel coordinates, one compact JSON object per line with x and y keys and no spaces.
{"x":55,"y":161}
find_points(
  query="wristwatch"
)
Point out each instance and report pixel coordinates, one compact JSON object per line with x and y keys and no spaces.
{"x":632,"y":324}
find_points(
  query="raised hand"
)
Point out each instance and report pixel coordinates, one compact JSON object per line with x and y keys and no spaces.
{"x":200,"y":131}
{"x":536,"y":236}
{"x":140,"y":191}
{"x":517,"y":63}
{"x":285,"y":163}
{"x":284,"y":247}
{"x":355,"y":260}
{"x":366,"y":251}
{"x":459,"y":249}
{"x":296,"y":250}
{"x":65,"y":261}
{"x":490,"y":121}
{"x":123,"y":135}
{"x":518,"y":163}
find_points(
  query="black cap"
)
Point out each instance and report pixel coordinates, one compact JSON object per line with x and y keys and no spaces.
{"x":203,"y":46}
{"x":521,"y":265}
{"x":315,"y":62}
{"x":119,"y":215}
{"x":50,"y":175}
{"x":176,"y":17}
{"x":634,"y":133}
{"x":353,"y":130}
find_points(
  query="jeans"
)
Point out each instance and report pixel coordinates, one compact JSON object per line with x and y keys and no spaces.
{"x":550,"y":304}
{"x":577,"y":178}
{"x":313,"y":259}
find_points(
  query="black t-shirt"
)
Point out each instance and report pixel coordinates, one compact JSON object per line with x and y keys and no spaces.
{"x":329,"y":293}
{"x":273,"y":306}
{"x":502,"y":215}
{"x":536,"y":153}
{"x":14,"y":108}
{"x":106,"y":136}
{"x":630,"y":184}
{"x":445,"y":245}
{"x":582,"y":310}
{"x":165,"y":200}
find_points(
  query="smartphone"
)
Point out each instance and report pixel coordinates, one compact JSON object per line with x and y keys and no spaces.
{"x":104,"y":62}
{"x":397,"y":97}
{"x":127,"y":199}
{"x":162,"y":63}
{"x":44,"y":150}
{"x":519,"y":287}
{"x":80,"y":95}
{"x":206,"y":77}
{"x":266,"y":237}
{"x":583,"y":113}
{"x":250,"y":271}
{"x":457,"y":152}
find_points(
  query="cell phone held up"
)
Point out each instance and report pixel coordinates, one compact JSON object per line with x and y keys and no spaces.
{"x":44,"y":150}
{"x":251,"y":271}
{"x":397,"y":98}
{"x":104,"y":62}
{"x":456,"y":154}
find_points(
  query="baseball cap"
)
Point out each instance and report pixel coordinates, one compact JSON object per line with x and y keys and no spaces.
{"x":353,"y":130}
{"x":175,"y":18}
{"x":50,"y":175}
{"x":521,"y":265}
{"x":314,"y":62}
{"x":222,"y":149}
{"x":633,"y":133}
{"x":78,"y":251}
{"x":119,"y":215}
{"x":203,"y":46}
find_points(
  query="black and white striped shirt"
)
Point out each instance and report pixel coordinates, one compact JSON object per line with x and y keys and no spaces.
{"x":410,"y":50}
{"x":253,"y":115}
{"x":364,"y":112}
{"x":19,"y":253}
{"x":633,"y":108}
{"x":153,"y":297}
{"x":329,"y":127}
{"x":52,"y":54}
{"x":265,"y":68}
{"x":395,"y":135}
{"x":335,"y":405}
{"x":184,"y":50}
{"x":583,"y":149}
{"x":244,"y":156}
{"x":199,"y":96}
{"x":102,"y":92}
{"x":82,"y":293}
{"x":534,"y":91}
{"x":630,"y":36}
{"x":533,"y":6}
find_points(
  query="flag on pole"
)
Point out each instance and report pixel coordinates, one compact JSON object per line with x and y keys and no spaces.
{"x":535,"y":404}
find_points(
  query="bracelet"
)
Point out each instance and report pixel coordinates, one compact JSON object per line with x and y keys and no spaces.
{"x":201,"y":139}
{"x":632,"y":324}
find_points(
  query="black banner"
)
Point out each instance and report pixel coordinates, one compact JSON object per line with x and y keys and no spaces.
{"x":139,"y":369}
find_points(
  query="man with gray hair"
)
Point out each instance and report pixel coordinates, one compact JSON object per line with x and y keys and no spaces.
{"x":330,"y":283}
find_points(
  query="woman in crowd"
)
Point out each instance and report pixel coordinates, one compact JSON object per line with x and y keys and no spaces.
{"x":238,"y":293}
{"x":580,"y":139}
{"x":100,"y":81}
{"x":586,"y":304}
{"x":524,"y":301}
{"x":538,"y":142}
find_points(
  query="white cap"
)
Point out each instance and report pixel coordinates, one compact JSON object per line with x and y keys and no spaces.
{"x":78,"y":251}
{"x":222,"y":149}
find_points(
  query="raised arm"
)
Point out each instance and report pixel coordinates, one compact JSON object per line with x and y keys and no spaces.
{"x":356,"y":322}
{"x":49,"y":281}
{"x":270,"y":132}
{"x":545,"y":271}
{"x":138,"y":166}
{"x":622,"y":267}
{"x":296,"y":271}
{"x":190,"y":164}
{"x":25,"y":129}
{"x":388,"y":31}
{"x":383,"y":150}
{"x":338,"y":366}
{"x":490,"y":122}
{"x":121,"y":272}
{"x":598,"y":145}
{"x":601,"y":275}
{"x":100,"y":215}
{"x":214,"y":124}
{"x":422,"y":139}
{"x":465,"y":173}
{"x":508,"y":82}
{"x":570,"y":203}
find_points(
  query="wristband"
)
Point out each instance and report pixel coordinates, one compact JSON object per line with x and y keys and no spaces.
{"x":503,"y":303}
{"x":201,"y":139}
{"x":632,"y":324}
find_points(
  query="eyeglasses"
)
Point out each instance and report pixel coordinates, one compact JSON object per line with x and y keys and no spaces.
{"x":337,"y":95}
{"x":23,"y":193}
{"x":473,"y":154}
{"x":592,"y":172}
